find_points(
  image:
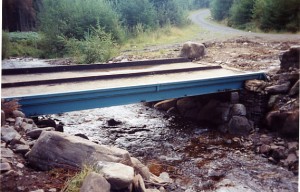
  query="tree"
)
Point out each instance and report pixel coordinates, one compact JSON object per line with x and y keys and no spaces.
{"x":220,"y":9}
{"x":277,"y":15}
{"x":18,"y":15}
{"x":241,"y":13}
{"x":134,"y":12}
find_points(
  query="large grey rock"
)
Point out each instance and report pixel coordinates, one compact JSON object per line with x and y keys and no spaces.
{"x":140,"y":168}
{"x":238,"y":110}
{"x":275,"y":89}
{"x":166,"y":104}
{"x":17,"y":113}
{"x":284,"y":122}
{"x":56,"y":149}
{"x":239,"y":125}
{"x":192,"y":50}
{"x":7,"y":153}
{"x":95,"y":182}
{"x":4,"y":167}
{"x":185,"y":104}
{"x":290,"y":58}
{"x":8,"y":134}
{"x":35,"y":133}
{"x":119,"y":176}
{"x":208,"y":112}
{"x":295,"y":89}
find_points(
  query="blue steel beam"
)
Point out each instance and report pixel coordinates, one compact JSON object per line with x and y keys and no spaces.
{"x":88,"y":99}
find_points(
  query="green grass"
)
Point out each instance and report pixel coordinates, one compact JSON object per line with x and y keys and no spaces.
{"x":166,"y":35}
{"x":74,"y":184}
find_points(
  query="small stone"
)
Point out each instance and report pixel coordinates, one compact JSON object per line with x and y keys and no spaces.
{"x":166,"y":177}
{"x":271,"y":159}
{"x":113,"y":122}
{"x":140,"y":168}
{"x":2,"y":118}
{"x":239,"y":125}
{"x":52,"y":190}
{"x":20,"y":165}
{"x":238,"y":110}
{"x":17,"y":113}
{"x":293,"y":146}
{"x":23,"y":149}
{"x":4,"y":167}
{"x":10,"y":120}
{"x":18,"y":122}
{"x":39,"y":190}
{"x":291,"y":159}
{"x":265,"y":149}
{"x":27,"y":127}
{"x":7,"y":153}
{"x":22,"y":188}
{"x":82,"y":136}
{"x":35,"y":133}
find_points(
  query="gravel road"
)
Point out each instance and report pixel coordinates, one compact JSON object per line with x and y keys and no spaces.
{"x":201,"y":18}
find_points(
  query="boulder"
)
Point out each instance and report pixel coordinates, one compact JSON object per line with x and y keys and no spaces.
{"x":239,"y":125}
{"x":4,"y":167}
{"x":17,"y":113}
{"x":95,"y":182}
{"x":166,"y":104}
{"x":192,"y":50}
{"x":255,"y":85}
{"x":56,"y":149}
{"x":295,"y":89}
{"x":185,"y":104}
{"x":34,"y":134}
{"x":281,"y":88}
{"x":119,"y":176}
{"x":284,"y":122}
{"x":238,"y":110}
{"x":9,"y":133}
{"x":208,"y":112}
{"x":138,"y":183}
{"x":290,"y":58}
{"x":140,"y":168}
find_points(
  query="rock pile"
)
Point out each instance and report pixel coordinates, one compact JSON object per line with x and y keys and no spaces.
{"x":222,"y":110}
{"x":46,"y":149}
{"x":283,"y":93}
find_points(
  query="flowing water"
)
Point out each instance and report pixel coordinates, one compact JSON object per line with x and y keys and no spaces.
{"x":195,"y":157}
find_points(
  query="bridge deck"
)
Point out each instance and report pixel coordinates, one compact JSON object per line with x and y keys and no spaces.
{"x":122,"y":86}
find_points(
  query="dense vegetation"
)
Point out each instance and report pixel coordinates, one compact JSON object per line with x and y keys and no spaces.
{"x":93,"y":30}
{"x":267,"y":15}
{"x":89,"y":30}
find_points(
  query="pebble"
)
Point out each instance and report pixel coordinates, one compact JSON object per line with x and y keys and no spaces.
{"x":10,"y":120}
{"x":23,"y":149}
{"x":52,"y":190}
{"x":4,"y":167}
{"x":20,"y":165}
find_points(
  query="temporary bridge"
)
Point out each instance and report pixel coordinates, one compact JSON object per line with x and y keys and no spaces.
{"x":51,"y":90}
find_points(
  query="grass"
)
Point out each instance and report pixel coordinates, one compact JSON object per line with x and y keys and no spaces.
{"x":74,"y":184}
{"x":166,"y":35}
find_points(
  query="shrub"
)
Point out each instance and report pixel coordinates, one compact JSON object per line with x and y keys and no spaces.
{"x":5,"y":45}
{"x":9,"y":106}
{"x":97,"y":46}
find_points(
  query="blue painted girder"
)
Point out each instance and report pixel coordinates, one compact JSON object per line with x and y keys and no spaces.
{"x":88,"y":99}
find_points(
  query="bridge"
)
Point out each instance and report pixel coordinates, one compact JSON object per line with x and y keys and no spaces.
{"x":51,"y":90}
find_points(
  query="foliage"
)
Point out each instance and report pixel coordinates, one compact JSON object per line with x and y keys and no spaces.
{"x":241,"y":13}
{"x":73,"y":18}
{"x":9,"y":106}
{"x":220,"y":9}
{"x":277,"y":14}
{"x":170,"y":12}
{"x":134,"y":12}
{"x":97,"y":46}
{"x":5,"y":45}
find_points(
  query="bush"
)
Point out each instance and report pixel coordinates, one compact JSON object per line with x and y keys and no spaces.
{"x":241,"y":13}
{"x":5,"y":45}
{"x":97,"y":46}
{"x":220,"y":9}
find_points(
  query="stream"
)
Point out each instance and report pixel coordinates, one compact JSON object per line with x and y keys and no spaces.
{"x":194,"y":156}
